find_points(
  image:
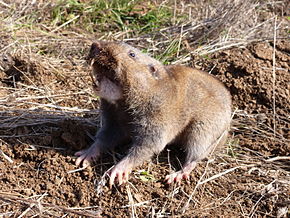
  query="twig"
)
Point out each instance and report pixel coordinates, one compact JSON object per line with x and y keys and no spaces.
{"x":4,"y":4}
{"x":102,"y":182}
{"x":77,"y":170}
{"x":66,"y":23}
{"x":11,"y":44}
{"x":277,"y":158}
{"x":274,"y":77}
{"x":32,"y":205}
{"x":6,"y":156}
{"x":131,"y":201}
{"x":222,"y":173}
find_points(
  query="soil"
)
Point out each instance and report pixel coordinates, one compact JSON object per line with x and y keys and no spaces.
{"x":40,"y":176}
{"x":248,"y":73}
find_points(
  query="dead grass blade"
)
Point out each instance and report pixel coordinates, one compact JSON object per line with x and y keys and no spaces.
{"x":45,"y":207}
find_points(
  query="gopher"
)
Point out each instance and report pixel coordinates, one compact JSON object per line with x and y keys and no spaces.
{"x":150,"y":105}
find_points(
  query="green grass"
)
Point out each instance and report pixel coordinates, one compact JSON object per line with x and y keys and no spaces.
{"x":145,"y":176}
{"x":170,"y":52}
{"x":114,"y":15}
{"x":232,"y":145}
{"x":129,"y":18}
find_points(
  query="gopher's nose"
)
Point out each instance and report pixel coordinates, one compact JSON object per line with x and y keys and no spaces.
{"x":94,"y":51}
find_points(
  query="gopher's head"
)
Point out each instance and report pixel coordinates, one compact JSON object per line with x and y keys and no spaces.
{"x":119,"y":68}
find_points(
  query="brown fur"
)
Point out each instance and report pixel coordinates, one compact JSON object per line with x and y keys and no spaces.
{"x":152,"y":105}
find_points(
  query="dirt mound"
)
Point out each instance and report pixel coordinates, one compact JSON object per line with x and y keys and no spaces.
{"x":248,"y":73}
{"x":38,"y":171}
{"x":260,"y":95}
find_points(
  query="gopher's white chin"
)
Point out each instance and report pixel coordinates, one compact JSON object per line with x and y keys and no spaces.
{"x":109,"y":90}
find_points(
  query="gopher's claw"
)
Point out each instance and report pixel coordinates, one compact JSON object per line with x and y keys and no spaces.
{"x":87,"y":156}
{"x":177,"y":177}
{"x":119,"y":173}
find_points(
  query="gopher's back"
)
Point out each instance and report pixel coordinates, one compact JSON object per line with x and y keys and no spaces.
{"x":200,"y":101}
{"x":201,"y":90}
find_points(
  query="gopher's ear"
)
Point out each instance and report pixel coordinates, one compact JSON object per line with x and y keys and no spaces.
{"x":154,"y":71}
{"x":94,"y":51}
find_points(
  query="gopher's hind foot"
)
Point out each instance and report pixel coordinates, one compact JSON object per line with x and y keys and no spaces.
{"x":180,"y":175}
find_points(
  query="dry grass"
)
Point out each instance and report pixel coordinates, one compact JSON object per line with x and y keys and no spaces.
{"x":44,"y":209}
{"x":38,"y":48}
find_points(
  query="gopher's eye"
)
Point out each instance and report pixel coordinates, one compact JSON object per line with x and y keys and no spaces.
{"x":132,"y":54}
